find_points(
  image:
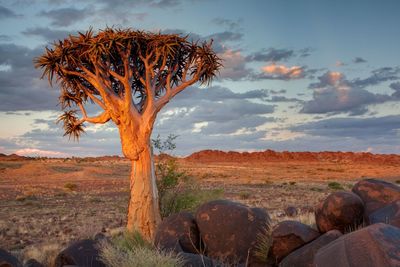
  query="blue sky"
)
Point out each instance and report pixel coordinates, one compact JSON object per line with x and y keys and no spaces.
{"x":298,"y":75}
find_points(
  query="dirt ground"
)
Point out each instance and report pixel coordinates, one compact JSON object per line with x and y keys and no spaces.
{"x":57,"y":200}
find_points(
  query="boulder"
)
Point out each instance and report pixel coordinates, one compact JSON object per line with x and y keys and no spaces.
{"x":32,"y":263}
{"x":288,"y":236}
{"x":304,"y":256}
{"x":83,"y":253}
{"x":389,"y":214}
{"x":8,"y":260}
{"x":291,"y":211}
{"x":178,"y":233}
{"x":196,"y":260}
{"x":376,"y":194}
{"x":375,"y":245}
{"x":341,"y":211}
{"x":230,"y":231}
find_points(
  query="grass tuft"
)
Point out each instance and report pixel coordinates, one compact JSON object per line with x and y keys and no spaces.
{"x":131,"y":250}
{"x":335,"y":186}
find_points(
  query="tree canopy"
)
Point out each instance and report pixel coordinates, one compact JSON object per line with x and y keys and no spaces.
{"x":124,"y":71}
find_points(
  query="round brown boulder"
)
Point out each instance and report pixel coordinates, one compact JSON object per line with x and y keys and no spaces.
{"x":304,"y":256}
{"x":288,"y":236}
{"x":340,"y":210}
{"x":389,"y":214}
{"x":83,"y":253}
{"x":178,"y":233}
{"x":230,"y":230}
{"x":376,"y":194}
{"x":375,"y":245}
{"x":8,"y":260}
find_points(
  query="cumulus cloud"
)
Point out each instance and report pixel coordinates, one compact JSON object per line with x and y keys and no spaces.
{"x":234,"y":65}
{"x":333,"y":93}
{"x":63,"y":17}
{"x":280,"y":72}
{"x":278,"y":54}
{"x":232,"y":25}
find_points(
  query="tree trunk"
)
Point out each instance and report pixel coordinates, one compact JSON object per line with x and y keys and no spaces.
{"x":143,"y":211}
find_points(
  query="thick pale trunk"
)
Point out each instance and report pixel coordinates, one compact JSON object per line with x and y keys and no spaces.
{"x":143,"y":211}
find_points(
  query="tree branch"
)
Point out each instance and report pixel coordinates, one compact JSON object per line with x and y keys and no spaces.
{"x":101,"y":119}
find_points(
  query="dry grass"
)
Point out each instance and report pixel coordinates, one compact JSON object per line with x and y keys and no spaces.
{"x":45,"y":254}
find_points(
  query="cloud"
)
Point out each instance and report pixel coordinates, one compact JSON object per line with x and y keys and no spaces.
{"x":63,"y":17}
{"x":271,"y":55}
{"x":6,"y":13}
{"x":360,"y":128}
{"x":334,"y":93}
{"x":234,"y":65}
{"x":281,"y":72}
{"x":21,"y":87}
{"x":278,"y":54}
{"x":378,"y":76}
{"x":47,"y":34}
{"x":232,"y":25}
{"x":359,"y":60}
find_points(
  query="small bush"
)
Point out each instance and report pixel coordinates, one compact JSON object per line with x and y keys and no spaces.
{"x":177,"y":190}
{"x":397,"y":181}
{"x":316,"y":189}
{"x":71,"y":186}
{"x":335,"y":186}
{"x":292,"y":183}
{"x":131,"y":250}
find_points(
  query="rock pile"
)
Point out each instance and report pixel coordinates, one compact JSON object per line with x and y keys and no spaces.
{"x":358,"y":228}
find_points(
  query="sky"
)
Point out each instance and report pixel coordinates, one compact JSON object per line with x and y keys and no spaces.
{"x":297,"y":76}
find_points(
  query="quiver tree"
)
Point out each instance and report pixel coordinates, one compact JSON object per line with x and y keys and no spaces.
{"x":130,"y":75}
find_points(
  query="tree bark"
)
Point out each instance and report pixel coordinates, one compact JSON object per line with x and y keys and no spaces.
{"x":143,"y":211}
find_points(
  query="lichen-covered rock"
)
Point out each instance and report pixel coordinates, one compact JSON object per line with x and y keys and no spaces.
{"x":8,"y":260}
{"x":304,"y":256}
{"x":389,"y":214}
{"x":340,"y":210}
{"x":372,"y":246}
{"x":230,"y":230}
{"x":178,"y":233}
{"x":288,"y":236}
{"x":83,"y":253}
{"x":376,"y":194}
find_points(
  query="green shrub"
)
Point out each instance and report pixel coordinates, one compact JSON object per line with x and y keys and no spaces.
{"x":177,"y":190}
{"x":131,"y":250}
{"x":335,"y":186}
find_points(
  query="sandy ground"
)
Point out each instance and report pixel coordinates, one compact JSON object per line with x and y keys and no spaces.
{"x":55,"y":201}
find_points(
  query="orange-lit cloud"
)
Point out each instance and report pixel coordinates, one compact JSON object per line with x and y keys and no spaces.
{"x":294,"y":72}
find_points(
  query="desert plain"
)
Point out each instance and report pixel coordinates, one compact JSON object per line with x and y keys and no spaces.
{"x":47,"y":202}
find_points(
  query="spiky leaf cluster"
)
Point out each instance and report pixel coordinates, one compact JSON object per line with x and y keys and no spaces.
{"x":108,"y":49}
{"x":71,"y":125}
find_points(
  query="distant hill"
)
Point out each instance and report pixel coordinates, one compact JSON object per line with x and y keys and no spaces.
{"x":208,"y":156}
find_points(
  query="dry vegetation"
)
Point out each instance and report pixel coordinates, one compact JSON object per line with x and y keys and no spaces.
{"x":48,"y":202}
